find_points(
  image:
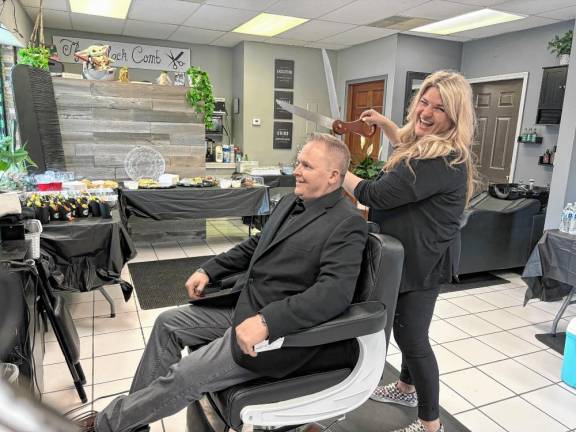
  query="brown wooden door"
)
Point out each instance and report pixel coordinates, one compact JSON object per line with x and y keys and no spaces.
{"x":497,"y":104}
{"x":361,"y":97}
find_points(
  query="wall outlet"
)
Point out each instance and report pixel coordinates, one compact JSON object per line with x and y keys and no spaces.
{"x":256,"y":122}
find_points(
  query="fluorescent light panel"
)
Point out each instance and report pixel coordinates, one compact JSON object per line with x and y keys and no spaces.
{"x":269,"y":24}
{"x":106,"y":8}
{"x":469,"y":21}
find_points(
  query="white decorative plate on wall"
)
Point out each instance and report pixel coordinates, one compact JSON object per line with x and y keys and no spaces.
{"x":144,"y":162}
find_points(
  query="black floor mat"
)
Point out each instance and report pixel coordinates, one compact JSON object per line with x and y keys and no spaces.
{"x":383,"y":417}
{"x":161,"y":283}
{"x":473,"y":280}
{"x":556,"y":342}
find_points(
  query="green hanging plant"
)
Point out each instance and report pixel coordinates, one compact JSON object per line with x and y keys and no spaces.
{"x":561,"y":45}
{"x":36,"y":57}
{"x":200,"y":94}
{"x":368,"y":168}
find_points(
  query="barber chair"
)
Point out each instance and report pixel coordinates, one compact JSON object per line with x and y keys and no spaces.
{"x":285,"y":404}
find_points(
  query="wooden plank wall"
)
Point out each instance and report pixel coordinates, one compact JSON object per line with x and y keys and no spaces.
{"x":101,"y":121}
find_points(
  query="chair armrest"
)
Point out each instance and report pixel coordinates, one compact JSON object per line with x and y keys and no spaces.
{"x":359,"y":320}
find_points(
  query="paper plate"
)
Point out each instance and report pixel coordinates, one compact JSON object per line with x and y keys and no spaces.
{"x":144,"y":162}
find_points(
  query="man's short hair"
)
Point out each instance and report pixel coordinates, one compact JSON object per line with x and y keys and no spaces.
{"x":336,"y":148}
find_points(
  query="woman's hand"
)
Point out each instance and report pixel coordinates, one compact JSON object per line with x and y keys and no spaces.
{"x":373,"y":117}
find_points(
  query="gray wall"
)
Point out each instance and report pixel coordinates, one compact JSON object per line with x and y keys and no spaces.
{"x":217,"y":61}
{"x":258,"y":99}
{"x":524,"y":51}
{"x":563,"y":187}
{"x":23,"y":22}
{"x":363,"y":62}
{"x":419,"y":54}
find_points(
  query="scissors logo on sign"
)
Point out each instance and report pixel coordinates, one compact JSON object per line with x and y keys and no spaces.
{"x":175,"y":61}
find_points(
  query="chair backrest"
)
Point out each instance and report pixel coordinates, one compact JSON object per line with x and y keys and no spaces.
{"x":381,"y":272}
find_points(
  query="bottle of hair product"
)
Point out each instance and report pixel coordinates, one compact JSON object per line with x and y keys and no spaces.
{"x":219,"y":154}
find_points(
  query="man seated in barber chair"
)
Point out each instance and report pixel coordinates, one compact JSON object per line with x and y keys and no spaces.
{"x":299,"y":272}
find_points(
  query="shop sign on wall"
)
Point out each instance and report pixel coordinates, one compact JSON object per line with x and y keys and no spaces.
{"x":284,"y":74}
{"x":283,"y":96}
{"x":282,"y":135}
{"x":127,"y":54}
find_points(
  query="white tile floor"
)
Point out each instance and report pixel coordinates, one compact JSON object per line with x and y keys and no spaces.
{"x":495,"y":376}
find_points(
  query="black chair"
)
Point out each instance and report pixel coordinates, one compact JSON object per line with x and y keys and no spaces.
{"x":55,"y":308}
{"x":297,"y":400}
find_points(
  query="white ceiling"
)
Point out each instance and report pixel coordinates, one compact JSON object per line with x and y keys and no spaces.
{"x":334,"y":24}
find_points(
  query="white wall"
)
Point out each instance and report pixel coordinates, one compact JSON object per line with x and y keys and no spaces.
{"x":524,"y":51}
{"x":258,"y":101}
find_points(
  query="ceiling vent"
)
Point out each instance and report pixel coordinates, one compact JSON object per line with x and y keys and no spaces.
{"x":401,"y":23}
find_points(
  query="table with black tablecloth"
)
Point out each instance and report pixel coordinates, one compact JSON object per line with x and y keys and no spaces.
{"x":550,"y":272}
{"x":89,"y":252}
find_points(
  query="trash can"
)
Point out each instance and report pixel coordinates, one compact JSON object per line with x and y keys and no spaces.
{"x":9,"y":372}
{"x":569,"y":364}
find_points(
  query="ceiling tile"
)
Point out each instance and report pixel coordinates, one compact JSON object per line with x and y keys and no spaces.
{"x":96,"y":24}
{"x":484,"y":3}
{"x":439,"y":10}
{"x":195,"y":35}
{"x":326,"y":45}
{"x":47,"y":4}
{"x":368,"y":11}
{"x":508,"y":27}
{"x":315,"y":30}
{"x":52,"y":18}
{"x":561,"y":14}
{"x":148,"y":29}
{"x":219,"y":18}
{"x":164,"y":11}
{"x":306,"y":8}
{"x":359,"y":35}
{"x":253,"y":5}
{"x":533,"y":7}
{"x":232,"y":39}
{"x":290,"y":42}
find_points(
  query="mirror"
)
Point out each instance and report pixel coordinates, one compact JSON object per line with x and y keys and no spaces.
{"x":413,"y":82}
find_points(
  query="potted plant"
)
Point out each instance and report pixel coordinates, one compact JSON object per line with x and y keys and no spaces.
{"x":367,"y":168}
{"x":13,"y":165}
{"x":36,"y":57}
{"x":200,"y":94}
{"x":561,"y":46}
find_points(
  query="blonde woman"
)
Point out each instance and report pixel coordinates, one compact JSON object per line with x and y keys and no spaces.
{"x":418,"y":198}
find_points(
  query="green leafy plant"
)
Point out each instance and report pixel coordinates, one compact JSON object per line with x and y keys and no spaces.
{"x":13,"y":164}
{"x":368,"y":168}
{"x":36,"y":57}
{"x":561,"y":45}
{"x":200,"y":94}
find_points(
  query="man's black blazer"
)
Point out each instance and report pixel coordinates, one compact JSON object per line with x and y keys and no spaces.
{"x":297,"y":276}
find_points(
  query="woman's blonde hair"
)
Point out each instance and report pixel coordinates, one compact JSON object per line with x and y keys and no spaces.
{"x":456,"y":96}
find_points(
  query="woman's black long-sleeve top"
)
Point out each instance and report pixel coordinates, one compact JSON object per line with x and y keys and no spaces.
{"x":421,"y":209}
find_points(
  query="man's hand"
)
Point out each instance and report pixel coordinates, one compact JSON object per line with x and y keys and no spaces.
{"x":196,"y":284}
{"x":250,"y":332}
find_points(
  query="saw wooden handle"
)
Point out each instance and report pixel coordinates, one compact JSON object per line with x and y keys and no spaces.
{"x":358,"y":127}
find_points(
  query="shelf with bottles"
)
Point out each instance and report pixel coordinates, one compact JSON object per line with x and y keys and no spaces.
{"x":547,"y":158}
{"x":530,"y":136}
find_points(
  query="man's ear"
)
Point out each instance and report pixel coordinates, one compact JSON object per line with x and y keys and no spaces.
{"x":334,"y":177}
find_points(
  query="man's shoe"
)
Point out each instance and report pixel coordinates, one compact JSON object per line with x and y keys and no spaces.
{"x":417,"y":426}
{"x":392,"y":394}
{"x":86,"y":422}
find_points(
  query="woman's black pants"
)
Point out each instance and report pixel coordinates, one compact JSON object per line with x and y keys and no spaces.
{"x":419,"y":368}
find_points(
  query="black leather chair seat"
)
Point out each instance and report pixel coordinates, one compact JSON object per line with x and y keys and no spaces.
{"x":230,"y":402}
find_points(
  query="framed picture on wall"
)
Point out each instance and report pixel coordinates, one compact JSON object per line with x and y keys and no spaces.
{"x":284,"y":74}
{"x":282,"y":135}
{"x":284,"y":96}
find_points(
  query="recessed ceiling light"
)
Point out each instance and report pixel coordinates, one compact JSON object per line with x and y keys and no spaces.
{"x":469,"y":21}
{"x":269,"y":24}
{"x":106,"y":8}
